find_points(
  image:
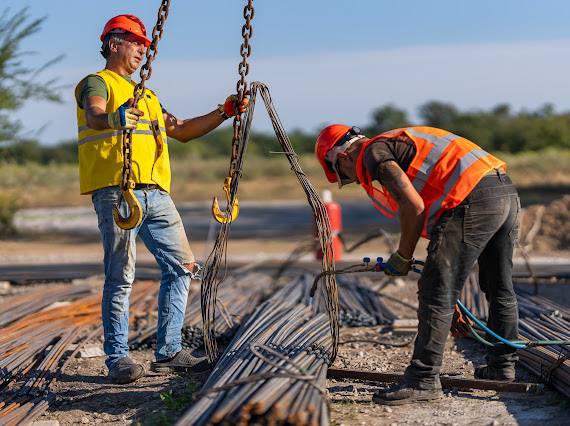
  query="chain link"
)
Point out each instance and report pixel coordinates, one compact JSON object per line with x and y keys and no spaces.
{"x":241,"y":86}
{"x":139,"y":90}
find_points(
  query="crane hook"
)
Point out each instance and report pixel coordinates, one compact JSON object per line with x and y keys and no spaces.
{"x":217,"y":213}
{"x":135,"y":210}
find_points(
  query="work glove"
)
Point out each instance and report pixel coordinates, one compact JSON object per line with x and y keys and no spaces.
{"x":126,"y":117}
{"x":232,"y":107}
{"x":398,"y":265}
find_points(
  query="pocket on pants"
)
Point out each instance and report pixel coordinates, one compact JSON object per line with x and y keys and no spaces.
{"x":481,"y":220}
{"x":438,"y":231}
{"x":514,"y":232}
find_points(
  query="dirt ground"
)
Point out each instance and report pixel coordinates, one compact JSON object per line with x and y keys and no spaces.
{"x":547,"y":228}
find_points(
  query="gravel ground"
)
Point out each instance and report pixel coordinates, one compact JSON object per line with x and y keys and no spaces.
{"x":351,"y":400}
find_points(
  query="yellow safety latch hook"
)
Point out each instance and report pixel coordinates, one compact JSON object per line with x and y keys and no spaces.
{"x":217,"y":213}
{"x":135,"y":210}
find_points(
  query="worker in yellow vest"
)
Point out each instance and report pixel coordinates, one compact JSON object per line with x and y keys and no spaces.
{"x":449,"y":190}
{"x":104,"y":112}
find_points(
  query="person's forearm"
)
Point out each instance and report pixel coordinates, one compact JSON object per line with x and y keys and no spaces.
{"x":195,"y":127}
{"x":97,"y":119}
{"x":411,"y":224}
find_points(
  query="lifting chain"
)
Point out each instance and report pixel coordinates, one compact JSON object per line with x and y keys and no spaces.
{"x":127,"y":184}
{"x":243,"y":70}
{"x":210,"y":277}
{"x":241,"y":88}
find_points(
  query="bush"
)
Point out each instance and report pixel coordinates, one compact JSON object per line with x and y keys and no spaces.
{"x":9,"y":205}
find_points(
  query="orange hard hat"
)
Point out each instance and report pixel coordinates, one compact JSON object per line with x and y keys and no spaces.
{"x":327,"y":139}
{"x":126,"y":23}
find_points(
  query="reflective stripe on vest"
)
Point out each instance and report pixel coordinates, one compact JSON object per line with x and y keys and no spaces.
{"x":141,"y":121}
{"x":117,"y":133}
{"x":445,"y":169}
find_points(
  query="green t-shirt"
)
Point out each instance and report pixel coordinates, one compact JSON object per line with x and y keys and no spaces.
{"x":94,"y":85}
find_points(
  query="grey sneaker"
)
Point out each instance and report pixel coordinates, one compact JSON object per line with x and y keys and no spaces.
{"x":488,"y":372}
{"x":125,"y":370}
{"x":405,"y":394}
{"x":184,"y":361}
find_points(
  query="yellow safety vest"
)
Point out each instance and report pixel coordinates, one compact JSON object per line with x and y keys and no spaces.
{"x":100,"y":151}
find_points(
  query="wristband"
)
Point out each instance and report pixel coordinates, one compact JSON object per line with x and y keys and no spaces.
{"x":222,"y":112}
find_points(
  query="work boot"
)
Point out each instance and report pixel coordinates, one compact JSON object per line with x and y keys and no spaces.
{"x":125,"y":370}
{"x":184,"y":361}
{"x":404,"y":393}
{"x":488,"y":372}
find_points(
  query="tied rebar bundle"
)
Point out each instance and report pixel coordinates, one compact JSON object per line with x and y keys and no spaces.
{"x":274,"y":370}
{"x":212,"y":279}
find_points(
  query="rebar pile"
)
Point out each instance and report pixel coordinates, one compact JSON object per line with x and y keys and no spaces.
{"x":543,"y":319}
{"x":274,"y":370}
{"x":41,"y":328}
{"x":360,"y":305}
{"x":26,"y":304}
{"x":539,"y":319}
{"x":237,"y":298}
{"x":35,"y":347}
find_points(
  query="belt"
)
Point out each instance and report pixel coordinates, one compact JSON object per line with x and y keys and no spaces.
{"x":146,"y":186}
{"x":496,"y":172}
{"x":494,"y":178}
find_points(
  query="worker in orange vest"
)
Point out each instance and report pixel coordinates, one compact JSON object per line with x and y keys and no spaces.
{"x":451,"y":191}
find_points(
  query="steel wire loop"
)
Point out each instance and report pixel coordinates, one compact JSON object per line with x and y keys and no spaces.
{"x":211,"y":280}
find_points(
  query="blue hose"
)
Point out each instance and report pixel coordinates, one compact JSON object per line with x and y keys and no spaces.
{"x":380,"y":266}
{"x":487,"y":329}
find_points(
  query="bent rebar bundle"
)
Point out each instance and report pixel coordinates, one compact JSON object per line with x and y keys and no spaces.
{"x":211,"y":279}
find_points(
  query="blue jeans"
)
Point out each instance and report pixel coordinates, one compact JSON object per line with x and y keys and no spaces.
{"x":163,"y":234}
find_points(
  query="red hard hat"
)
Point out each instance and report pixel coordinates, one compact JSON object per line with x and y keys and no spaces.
{"x":128,"y":23}
{"x":328,"y":137}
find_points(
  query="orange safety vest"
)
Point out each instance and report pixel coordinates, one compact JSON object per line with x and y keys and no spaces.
{"x":444,"y":171}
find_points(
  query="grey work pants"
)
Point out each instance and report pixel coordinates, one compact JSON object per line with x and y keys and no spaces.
{"x":483,"y":229}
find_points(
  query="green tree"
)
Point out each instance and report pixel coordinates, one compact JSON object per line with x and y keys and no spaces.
{"x":387,"y":117}
{"x":438,"y":114}
{"x":19,"y":82}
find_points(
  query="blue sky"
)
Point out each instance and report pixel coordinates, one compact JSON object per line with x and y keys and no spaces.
{"x":324,"y":61}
